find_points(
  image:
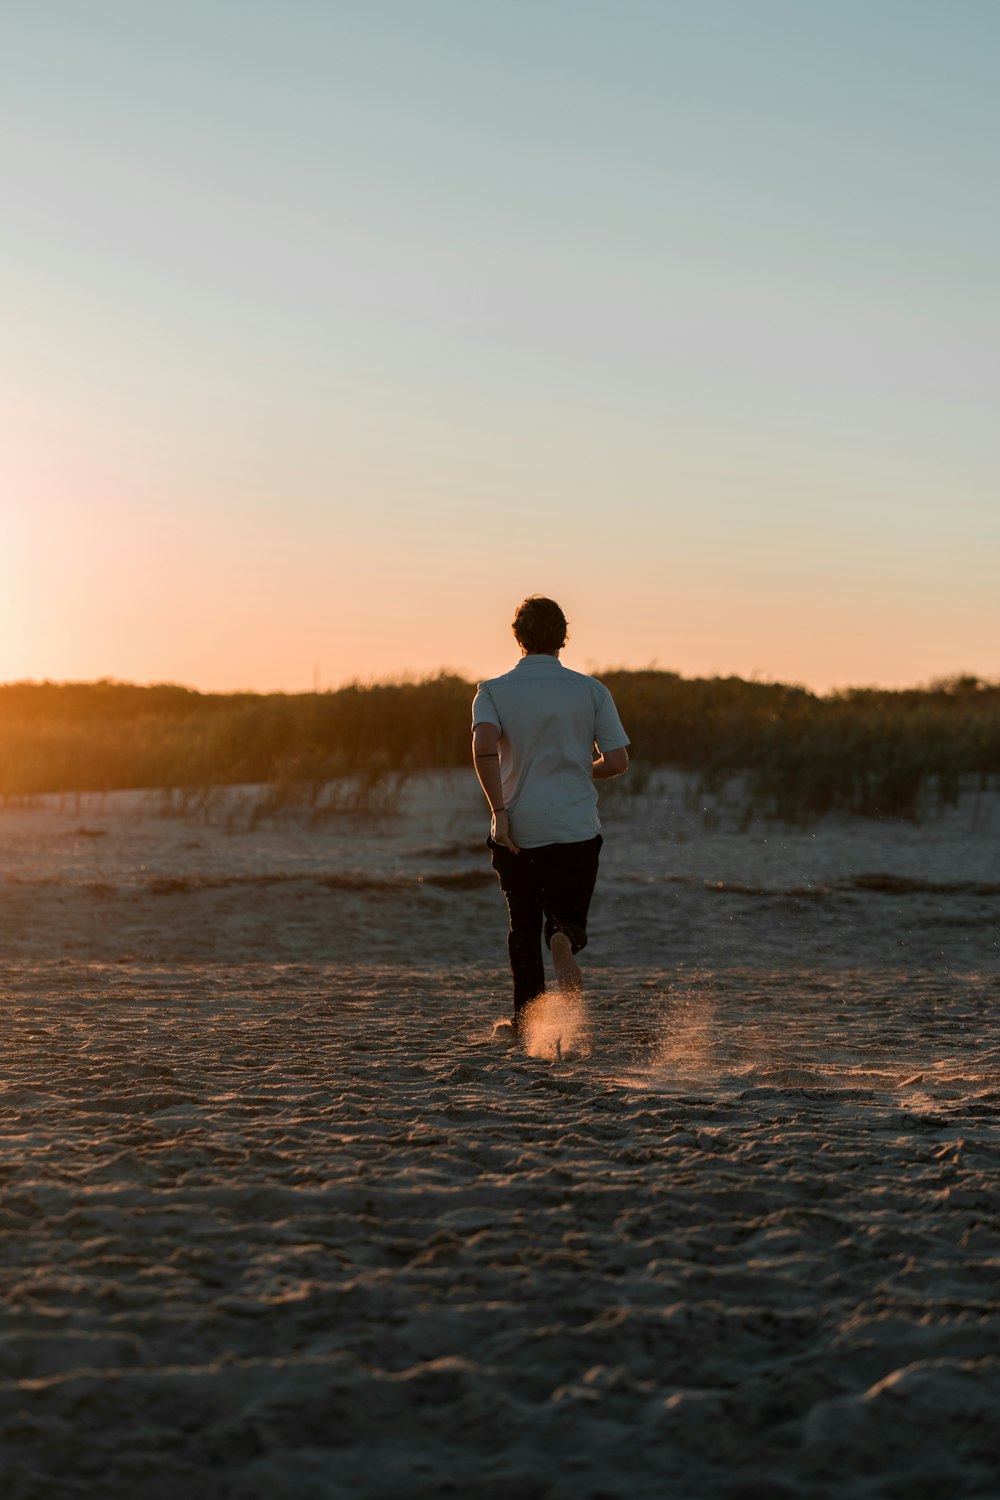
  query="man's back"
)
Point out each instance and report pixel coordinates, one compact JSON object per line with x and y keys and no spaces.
{"x":549,"y":719}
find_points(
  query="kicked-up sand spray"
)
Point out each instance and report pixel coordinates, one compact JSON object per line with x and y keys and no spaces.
{"x":557,"y":1025}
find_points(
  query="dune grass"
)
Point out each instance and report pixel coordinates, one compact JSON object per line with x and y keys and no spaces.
{"x":865,"y":750}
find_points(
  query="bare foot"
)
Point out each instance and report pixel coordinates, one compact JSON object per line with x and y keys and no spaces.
{"x":567,"y":969}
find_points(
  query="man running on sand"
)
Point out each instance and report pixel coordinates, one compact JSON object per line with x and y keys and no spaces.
{"x":534,"y":733}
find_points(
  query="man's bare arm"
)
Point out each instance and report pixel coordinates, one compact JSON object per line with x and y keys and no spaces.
{"x":486,"y":759}
{"x":611,"y":763}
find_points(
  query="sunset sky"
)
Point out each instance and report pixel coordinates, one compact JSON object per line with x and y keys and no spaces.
{"x":330,"y":330}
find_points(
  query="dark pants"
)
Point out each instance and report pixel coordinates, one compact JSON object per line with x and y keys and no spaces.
{"x":552,"y":885}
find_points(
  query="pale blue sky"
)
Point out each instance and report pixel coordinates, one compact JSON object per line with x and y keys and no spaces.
{"x":331,"y":330}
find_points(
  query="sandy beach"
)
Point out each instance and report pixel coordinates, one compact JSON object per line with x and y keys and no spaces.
{"x":281,"y":1217}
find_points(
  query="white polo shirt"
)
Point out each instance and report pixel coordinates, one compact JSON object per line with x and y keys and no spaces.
{"x":549,"y":720}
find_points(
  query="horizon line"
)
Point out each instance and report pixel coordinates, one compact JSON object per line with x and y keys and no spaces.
{"x":939,"y":683}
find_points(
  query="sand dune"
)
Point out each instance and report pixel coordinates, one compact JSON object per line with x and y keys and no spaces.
{"x":281,"y":1217}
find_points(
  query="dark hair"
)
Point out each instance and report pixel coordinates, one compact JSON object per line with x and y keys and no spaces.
{"x":540,"y":625}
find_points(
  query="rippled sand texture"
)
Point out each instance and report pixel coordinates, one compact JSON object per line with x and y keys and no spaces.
{"x":280,"y":1216}
{"x":306,"y":1230}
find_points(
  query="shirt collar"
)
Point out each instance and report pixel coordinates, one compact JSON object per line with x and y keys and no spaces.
{"x":538,"y":659}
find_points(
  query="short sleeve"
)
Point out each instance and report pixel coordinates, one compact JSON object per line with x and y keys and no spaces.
{"x":609,"y":733}
{"x":484,"y":710}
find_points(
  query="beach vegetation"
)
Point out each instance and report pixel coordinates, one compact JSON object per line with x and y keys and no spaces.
{"x":796,"y":755}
